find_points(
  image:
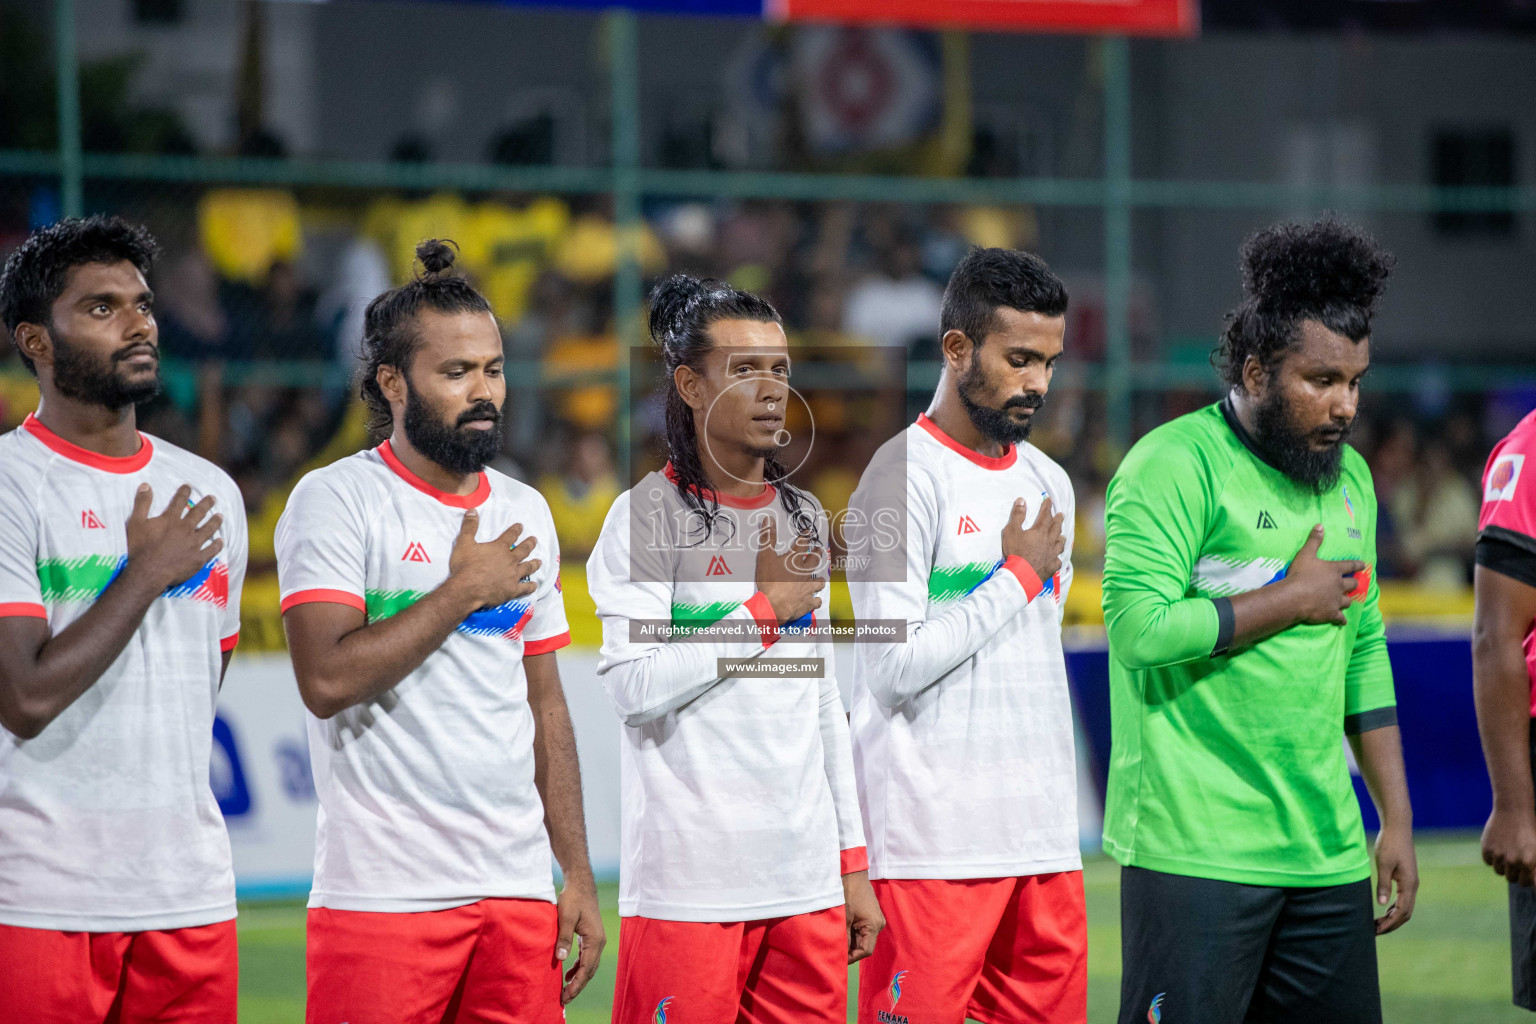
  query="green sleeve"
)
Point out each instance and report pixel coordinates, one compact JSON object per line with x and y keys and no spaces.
{"x":1155,"y":521}
{"x":1370,"y":701}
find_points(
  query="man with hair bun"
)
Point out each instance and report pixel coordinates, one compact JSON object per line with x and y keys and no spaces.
{"x":421,"y":597}
{"x":1245,"y":643}
{"x":743,"y":889}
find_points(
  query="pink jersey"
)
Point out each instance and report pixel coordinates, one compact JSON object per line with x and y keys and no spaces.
{"x":1509,"y":508}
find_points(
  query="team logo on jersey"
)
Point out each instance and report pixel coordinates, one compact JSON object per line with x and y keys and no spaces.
{"x":891,"y":1016}
{"x":1265,"y":521}
{"x":717,"y":567}
{"x":414,"y":552}
{"x":90,"y":521}
{"x":1155,"y":1011}
{"x":1503,"y":477}
{"x":968,"y":525}
{"x":1349,"y":506}
{"x":660,"y":1017}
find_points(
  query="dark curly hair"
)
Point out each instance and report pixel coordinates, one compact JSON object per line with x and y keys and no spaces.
{"x":37,"y":273}
{"x":389,"y":324}
{"x":986,"y":280}
{"x":1329,"y":271}
{"x":682,"y":310}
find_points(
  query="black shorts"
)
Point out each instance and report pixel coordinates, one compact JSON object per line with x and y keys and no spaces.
{"x":1225,"y":953}
{"x":1522,"y":928}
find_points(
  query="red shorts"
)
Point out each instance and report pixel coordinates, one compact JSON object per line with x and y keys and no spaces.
{"x":997,"y":950}
{"x":491,"y":961}
{"x":178,"y":976}
{"x":786,"y":970}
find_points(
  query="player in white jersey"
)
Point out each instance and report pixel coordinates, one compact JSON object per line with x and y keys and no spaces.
{"x":117,"y":899}
{"x":741,"y":842}
{"x":421,"y":597}
{"x":962,"y":734}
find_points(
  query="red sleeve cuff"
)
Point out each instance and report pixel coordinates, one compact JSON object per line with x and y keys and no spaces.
{"x":23,"y":609}
{"x":228,"y":643}
{"x":1025,"y":575}
{"x":321,"y":596}
{"x":855,"y":858}
{"x":767,"y":621}
{"x":544,"y":646}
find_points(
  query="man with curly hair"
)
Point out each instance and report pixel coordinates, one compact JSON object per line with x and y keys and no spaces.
{"x":121,"y":563}
{"x":1245,"y":642}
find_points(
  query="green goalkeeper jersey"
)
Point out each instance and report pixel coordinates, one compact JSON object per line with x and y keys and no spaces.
{"x":1230,"y":764}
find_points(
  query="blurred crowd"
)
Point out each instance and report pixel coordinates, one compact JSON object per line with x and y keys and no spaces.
{"x":260,"y":296}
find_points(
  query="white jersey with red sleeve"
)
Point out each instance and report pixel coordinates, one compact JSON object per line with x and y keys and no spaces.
{"x":427,"y":795}
{"x":739,"y":801}
{"x":963,"y":734}
{"x":107,"y":818}
{"x":1506,"y":540}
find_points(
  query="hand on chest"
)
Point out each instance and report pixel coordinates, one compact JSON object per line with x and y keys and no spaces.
{"x":727,"y":557}
{"x":1277,"y":528}
{"x":83,"y":540}
{"x":971,"y":520}
{"x":89,"y":518}
{"x":968,"y":546}
{"x":411,"y":548}
{"x":1255,"y":540}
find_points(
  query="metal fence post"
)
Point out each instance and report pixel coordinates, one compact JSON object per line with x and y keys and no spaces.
{"x":67,"y":69}
{"x":624,"y":60}
{"x":1116,"y":69}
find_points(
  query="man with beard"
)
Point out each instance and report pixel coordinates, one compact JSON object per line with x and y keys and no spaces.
{"x":117,"y":898}
{"x":962,"y":732}
{"x":1245,"y":642}
{"x":421,"y":597}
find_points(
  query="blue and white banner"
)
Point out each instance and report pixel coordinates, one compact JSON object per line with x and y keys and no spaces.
{"x":261,"y":762}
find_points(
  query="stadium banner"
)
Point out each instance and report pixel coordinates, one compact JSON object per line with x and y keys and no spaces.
{"x":261,"y":771}
{"x":1432,"y":675}
{"x":1120,"y":17}
{"x":261,"y":774}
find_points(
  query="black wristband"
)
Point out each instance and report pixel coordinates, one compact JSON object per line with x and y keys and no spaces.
{"x":1365,"y":721}
{"x":1226,"y":625}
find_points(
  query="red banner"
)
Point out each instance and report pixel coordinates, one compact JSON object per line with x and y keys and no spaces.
{"x":1120,"y":17}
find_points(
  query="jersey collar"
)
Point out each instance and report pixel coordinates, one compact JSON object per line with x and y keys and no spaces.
{"x":481,"y":492}
{"x":728,"y":500}
{"x":1250,"y":442}
{"x":74,"y":453}
{"x":1002,"y":461}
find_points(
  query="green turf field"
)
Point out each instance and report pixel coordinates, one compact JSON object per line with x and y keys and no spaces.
{"x":1449,"y":964}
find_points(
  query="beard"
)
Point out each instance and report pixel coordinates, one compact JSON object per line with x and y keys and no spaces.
{"x":996,"y":424}
{"x":80,"y":375}
{"x":456,"y":448}
{"x":1289,"y":448}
